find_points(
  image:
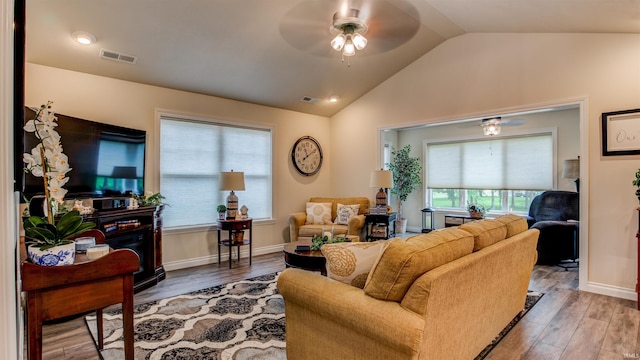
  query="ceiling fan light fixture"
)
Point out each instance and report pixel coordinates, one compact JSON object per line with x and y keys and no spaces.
{"x":338,"y":42}
{"x":349,"y":48}
{"x":359,"y":41}
{"x":491,"y":127}
{"x":349,"y":29}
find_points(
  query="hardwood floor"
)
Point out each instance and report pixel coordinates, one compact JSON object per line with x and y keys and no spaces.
{"x":564,"y":324}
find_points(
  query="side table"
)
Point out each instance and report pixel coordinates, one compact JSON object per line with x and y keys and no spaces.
{"x":379,"y":226}
{"x":234,"y":226}
{"x":54,"y":292}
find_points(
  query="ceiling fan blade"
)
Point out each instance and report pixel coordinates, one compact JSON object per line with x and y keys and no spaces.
{"x":307,"y":25}
{"x":511,"y":122}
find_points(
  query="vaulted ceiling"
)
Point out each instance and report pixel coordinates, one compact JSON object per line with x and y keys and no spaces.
{"x":276,"y":52}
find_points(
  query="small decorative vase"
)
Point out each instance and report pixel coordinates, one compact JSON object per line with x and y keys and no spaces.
{"x":476,"y":214}
{"x":55,"y":256}
{"x":221,"y":215}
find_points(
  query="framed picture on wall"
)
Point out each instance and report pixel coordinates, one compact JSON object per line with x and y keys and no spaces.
{"x":621,"y":132}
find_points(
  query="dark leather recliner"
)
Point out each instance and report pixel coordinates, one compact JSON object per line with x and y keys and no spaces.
{"x":556,"y":214}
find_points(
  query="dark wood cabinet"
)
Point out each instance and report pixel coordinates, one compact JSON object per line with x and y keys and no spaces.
{"x":139,"y":230}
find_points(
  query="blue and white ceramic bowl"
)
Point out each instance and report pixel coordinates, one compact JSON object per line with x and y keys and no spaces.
{"x":55,"y":256}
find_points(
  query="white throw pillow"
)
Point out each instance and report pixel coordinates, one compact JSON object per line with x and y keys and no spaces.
{"x":318,"y":213}
{"x":350,"y":263}
{"x":346,"y":212}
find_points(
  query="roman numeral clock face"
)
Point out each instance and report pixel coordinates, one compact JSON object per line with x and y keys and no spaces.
{"x":306,"y":156}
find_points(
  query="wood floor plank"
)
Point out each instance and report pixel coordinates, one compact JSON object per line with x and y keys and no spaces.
{"x":622,"y":332}
{"x":586,"y":341}
{"x":562,"y":326}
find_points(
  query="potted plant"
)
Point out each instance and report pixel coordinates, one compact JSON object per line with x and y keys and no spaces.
{"x":636,"y":183}
{"x":221,"y":209}
{"x":48,"y":240}
{"x":49,"y":244}
{"x":406,"y":178}
{"x":476,"y":211}
{"x":149,"y":199}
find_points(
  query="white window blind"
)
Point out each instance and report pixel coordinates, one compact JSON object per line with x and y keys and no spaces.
{"x":516,"y":163}
{"x":192,"y":155}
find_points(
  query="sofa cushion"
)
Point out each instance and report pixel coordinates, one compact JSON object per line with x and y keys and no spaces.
{"x":318,"y":213}
{"x":515,"y":224}
{"x":485,"y":232}
{"x":350,"y":263}
{"x":345,"y":212}
{"x":362,"y":201}
{"x":405,"y":260}
{"x":310,"y":230}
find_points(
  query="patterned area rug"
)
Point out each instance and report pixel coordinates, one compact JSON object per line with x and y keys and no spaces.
{"x":242,"y":320}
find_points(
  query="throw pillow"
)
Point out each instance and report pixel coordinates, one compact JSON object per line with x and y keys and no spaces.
{"x":318,"y":213}
{"x":346,"y":212}
{"x":350,"y":263}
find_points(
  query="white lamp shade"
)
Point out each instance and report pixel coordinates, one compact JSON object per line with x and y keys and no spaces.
{"x":359,"y":41}
{"x":571,"y":169}
{"x":232,"y":180}
{"x":338,"y":42}
{"x":381,"y":179}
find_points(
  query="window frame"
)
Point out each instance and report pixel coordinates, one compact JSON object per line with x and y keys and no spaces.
{"x":428,"y":198}
{"x":161,"y":114}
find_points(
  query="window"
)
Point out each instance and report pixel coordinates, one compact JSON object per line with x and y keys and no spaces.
{"x":192,"y":155}
{"x":502,"y":174}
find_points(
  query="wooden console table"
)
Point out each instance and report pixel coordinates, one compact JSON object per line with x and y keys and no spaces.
{"x":54,"y":292}
{"x":234,"y":226}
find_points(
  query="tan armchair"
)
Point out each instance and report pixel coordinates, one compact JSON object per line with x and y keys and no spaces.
{"x":298,"y":230}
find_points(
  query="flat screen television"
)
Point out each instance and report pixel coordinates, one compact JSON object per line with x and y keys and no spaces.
{"x":105,"y":160}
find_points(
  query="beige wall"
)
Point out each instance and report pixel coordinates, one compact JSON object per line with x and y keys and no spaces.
{"x":133,"y":105}
{"x":480,"y":73}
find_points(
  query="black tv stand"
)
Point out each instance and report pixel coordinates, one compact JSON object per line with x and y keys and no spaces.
{"x":139,"y":230}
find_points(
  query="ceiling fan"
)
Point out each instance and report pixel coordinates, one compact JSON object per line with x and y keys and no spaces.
{"x":492,"y":126}
{"x":310,"y":25}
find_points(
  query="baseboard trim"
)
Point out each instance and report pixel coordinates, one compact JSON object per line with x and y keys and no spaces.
{"x":213,"y":259}
{"x":610,"y":290}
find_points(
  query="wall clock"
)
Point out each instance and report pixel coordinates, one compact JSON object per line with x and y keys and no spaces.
{"x":306,"y":156}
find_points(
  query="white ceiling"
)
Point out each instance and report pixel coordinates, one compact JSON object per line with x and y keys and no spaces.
{"x":274,"y":52}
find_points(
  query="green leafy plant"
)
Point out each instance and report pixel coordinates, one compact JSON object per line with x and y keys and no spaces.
{"x":221,"y":208}
{"x":476,"y":208}
{"x":406,"y":174}
{"x":149,"y":199}
{"x":318,"y":241}
{"x":636,"y":183}
{"x":41,"y":233}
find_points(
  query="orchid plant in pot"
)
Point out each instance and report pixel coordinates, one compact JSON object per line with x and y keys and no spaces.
{"x":48,"y":240}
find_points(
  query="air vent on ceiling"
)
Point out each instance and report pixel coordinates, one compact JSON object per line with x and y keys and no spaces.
{"x":309,"y":99}
{"x":112,"y":55}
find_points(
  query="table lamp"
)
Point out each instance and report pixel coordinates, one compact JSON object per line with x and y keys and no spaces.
{"x":232,"y":181}
{"x":382,"y":179}
{"x":571,"y":170}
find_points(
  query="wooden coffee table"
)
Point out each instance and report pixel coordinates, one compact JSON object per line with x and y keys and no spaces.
{"x":306,"y":260}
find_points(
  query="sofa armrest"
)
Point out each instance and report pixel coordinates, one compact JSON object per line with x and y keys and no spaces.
{"x":385,"y":322}
{"x":295,"y":221}
{"x":356,"y":223}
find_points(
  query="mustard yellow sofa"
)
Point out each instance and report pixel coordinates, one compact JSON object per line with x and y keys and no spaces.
{"x":300,"y":229}
{"x":441,"y":295}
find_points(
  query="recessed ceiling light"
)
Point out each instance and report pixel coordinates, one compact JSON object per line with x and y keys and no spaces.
{"x":83,"y":37}
{"x":333,"y":99}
